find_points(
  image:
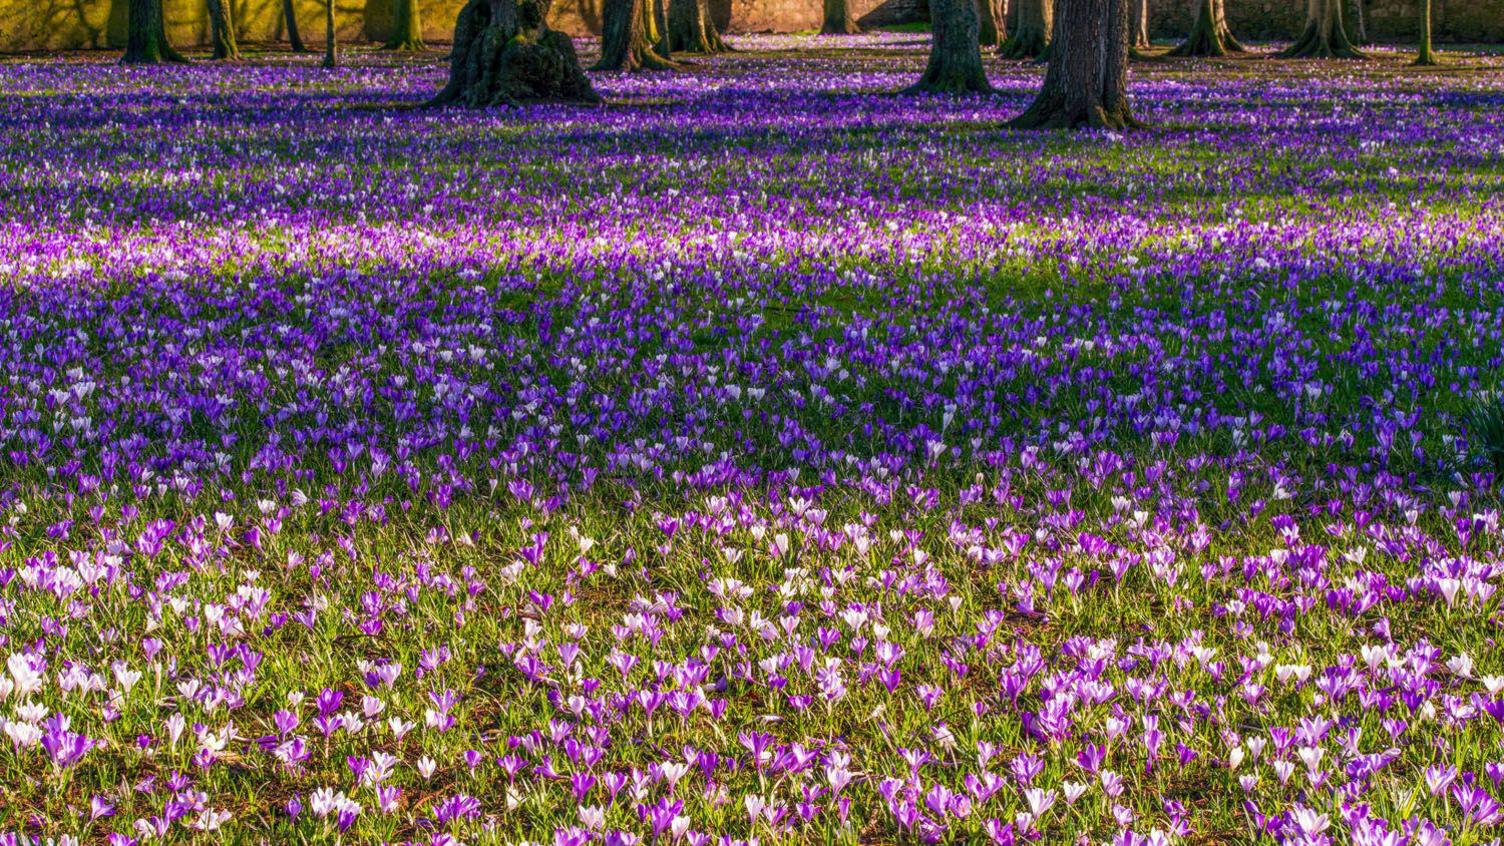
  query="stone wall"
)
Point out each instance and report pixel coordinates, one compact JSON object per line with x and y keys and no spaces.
{"x":65,"y":24}
{"x":1387,"y":20}
{"x":72,"y":24}
{"x":802,"y":15}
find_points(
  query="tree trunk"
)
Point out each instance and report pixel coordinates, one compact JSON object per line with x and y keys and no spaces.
{"x":407,"y":27}
{"x":146,"y":35}
{"x":290,"y":21}
{"x":691,"y":30}
{"x":992,"y":24}
{"x":1424,"y":57}
{"x":650,"y":24}
{"x":222,"y":30}
{"x":1031,"y":37}
{"x":1210,"y":36}
{"x":1360,"y":23}
{"x":117,"y":25}
{"x":658,"y":32}
{"x":838,"y":19}
{"x":1086,"y":83}
{"x":1324,"y":35}
{"x":504,"y":53}
{"x":624,"y":39}
{"x":1139,"y":29}
{"x":1232,"y":44}
{"x":330,"y":60}
{"x":955,"y":65}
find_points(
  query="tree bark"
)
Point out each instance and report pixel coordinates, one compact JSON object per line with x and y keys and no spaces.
{"x":1324,"y":36}
{"x":992,"y":24}
{"x":290,"y":22}
{"x":117,"y":25}
{"x":221,"y":30}
{"x":838,"y":19}
{"x":658,"y":27}
{"x":691,"y":30}
{"x":955,"y":65}
{"x":1086,"y":83}
{"x":1360,"y":23}
{"x":1139,"y":26}
{"x":650,"y":24}
{"x":1210,"y":35}
{"x":330,"y":59}
{"x":504,"y":54}
{"x":146,"y":35}
{"x":407,"y":27}
{"x":624,"y":39}
{"x":1031,"y":38}
{"x":1423,"y":56}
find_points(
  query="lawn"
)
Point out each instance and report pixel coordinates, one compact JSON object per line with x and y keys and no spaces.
{"x":759,"y":457}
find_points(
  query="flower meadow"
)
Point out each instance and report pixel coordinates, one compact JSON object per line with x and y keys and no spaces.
{"x":760,"y":458}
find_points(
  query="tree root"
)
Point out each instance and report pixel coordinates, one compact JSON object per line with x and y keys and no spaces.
{"x":1025,"y":44}
{"x":497,"y":64}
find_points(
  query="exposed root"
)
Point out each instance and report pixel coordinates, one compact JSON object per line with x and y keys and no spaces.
{"x":1026,"y":43}
{"x":1056,"y":113}
{"x":509,"y":62}
{"x":640,"y":56}
{"x":962,"y":84}
{"x":1314,"y":43}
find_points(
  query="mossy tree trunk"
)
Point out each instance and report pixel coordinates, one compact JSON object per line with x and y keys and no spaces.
{"x":290,"y":24}
{"x":658,"y":27}
{"x":330,"y":57}
{"x":221,"y":30}
{"x":117,"y":25}
{"x":146,"y":35}
{"x":1086,"y":82}
{"x":1210,"y":35}
{"x":649,"y":22}
{"x":1324,"y":36}
{"x":992,"y":24}
{"x":1423,"y":55}
{"x":407,"y":27}
{"x":1031,"y":37}
{"x":691,"y":29}
{"x":837,"y":19}
{"x":955,"y":65}
{"x":1360,"y":23}
{"x":505,"y":54}
{"x":624,"y":39}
